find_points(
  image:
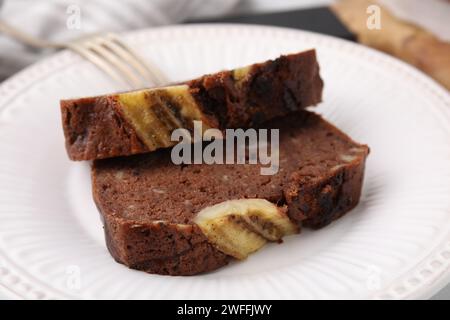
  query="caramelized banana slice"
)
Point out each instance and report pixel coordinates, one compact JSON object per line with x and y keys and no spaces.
{"x":155,"y":113}
{"x":240,"y":227}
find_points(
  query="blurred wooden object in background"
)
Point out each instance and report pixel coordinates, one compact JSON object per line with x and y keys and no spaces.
{"x":397,"y":37}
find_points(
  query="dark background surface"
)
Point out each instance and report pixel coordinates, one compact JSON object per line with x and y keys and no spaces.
{"x":320,"y":20}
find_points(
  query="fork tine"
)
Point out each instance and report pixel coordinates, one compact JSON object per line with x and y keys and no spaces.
{"x":131,"y":60}
{"x":95,"y":59}
{"x":98,"y":46}
{"x":148,"y":70}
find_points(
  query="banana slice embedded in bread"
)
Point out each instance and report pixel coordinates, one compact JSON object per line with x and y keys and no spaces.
{"x":240,"y":227}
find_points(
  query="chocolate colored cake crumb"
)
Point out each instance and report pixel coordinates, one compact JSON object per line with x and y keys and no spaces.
{"x":142,"y":121}
{"x":148,"y":204}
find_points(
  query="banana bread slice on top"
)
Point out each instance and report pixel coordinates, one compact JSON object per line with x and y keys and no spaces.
{"x":187,"y":219}
{"x":142,"y":121}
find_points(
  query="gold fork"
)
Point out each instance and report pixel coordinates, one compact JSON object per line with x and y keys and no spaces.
{"x":106,"y":51}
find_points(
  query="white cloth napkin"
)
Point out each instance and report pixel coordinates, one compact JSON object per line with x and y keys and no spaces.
{"x":67,"y":19}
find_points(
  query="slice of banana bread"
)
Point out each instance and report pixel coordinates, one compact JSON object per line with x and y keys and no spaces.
{"x":142,"y":121}
{"x":187,"y":219}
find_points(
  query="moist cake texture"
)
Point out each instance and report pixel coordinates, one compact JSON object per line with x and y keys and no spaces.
{"x":142,"y":121}
{"x":149,"y":205}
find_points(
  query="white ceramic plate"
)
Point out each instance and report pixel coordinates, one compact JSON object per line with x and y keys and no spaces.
{"x":395,"y":244}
